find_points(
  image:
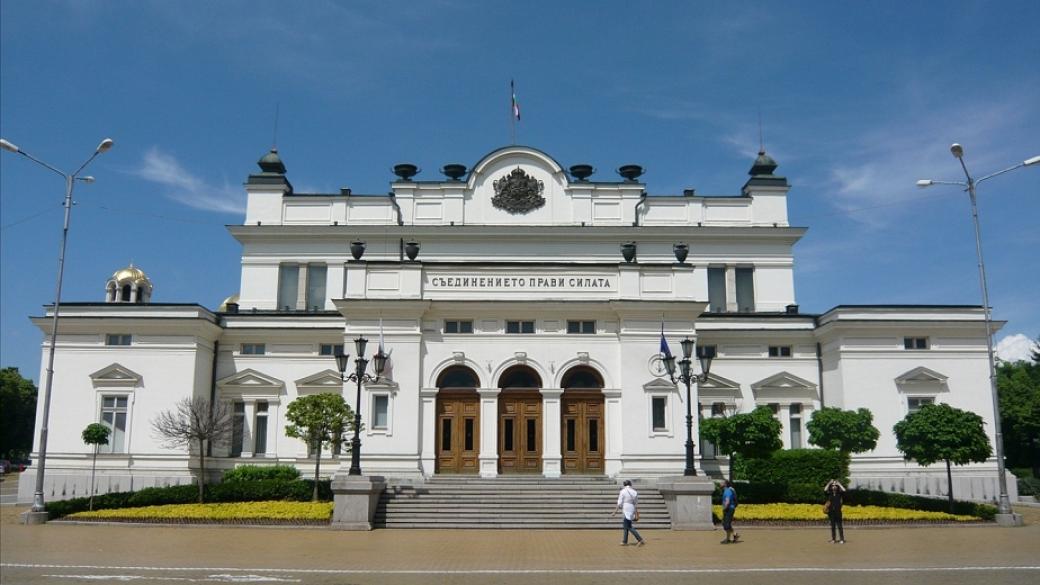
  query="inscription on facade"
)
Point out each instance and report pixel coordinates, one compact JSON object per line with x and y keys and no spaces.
{"x":522,"y":282}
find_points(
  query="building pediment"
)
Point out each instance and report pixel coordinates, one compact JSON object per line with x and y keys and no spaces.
{"x":658,"y":385}
{"x":115,"y":375}
{"x":784,"y":388}
{"x":921,"y":375}
{"x":718,"y":389}
{"x":250,"y":382}
{"x":324,"y":381}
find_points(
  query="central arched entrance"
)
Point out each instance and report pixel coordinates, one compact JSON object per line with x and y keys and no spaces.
{"x":458,"y":421}
{"x":520,"y":421}
{"x":581,"y":410}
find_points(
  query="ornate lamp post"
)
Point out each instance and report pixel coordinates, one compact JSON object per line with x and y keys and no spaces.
{"x":687,"y":377}
{"x":969,"y":185}
{"x":359,"y":376}
{"x":38,"y":514}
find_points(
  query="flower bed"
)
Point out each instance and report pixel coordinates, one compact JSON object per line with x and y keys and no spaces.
{"x":271,"y":512}
{"x":811,"y":514}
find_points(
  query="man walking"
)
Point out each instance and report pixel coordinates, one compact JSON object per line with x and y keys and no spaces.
{"x":729,"y":506}
{"x":628,"y":504}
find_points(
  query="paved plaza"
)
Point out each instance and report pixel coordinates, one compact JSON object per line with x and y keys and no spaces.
{"x":68,"y":553}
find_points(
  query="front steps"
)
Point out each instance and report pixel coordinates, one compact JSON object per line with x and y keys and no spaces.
{"x":512,"y":502}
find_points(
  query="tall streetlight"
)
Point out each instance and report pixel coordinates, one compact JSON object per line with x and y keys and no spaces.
{"x":359,"y":376}
{"x":1004,"y":503}
{"x":38,"y":513}
{"x":705,"y":354}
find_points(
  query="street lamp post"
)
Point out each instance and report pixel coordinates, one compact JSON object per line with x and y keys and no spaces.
{"x":705,"y":354}
{"x":359,"y":376}
{"x":38,"y":513}
{"x":970,"y":184}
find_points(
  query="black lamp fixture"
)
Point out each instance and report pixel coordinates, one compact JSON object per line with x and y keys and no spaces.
{"x":359,"y":376}
{"x":704,"y":354}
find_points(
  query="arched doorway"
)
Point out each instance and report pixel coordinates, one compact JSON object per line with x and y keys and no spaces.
{"x":520,"y":421}
{"x":582,"y":428}
{"x":458,"y":421}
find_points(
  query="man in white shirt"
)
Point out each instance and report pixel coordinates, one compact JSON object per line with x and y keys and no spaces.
{"x":628,"y":504}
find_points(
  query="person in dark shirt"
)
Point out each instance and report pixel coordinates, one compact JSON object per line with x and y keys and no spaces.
{"x":729,"y":506}
{"x":835,"y":492}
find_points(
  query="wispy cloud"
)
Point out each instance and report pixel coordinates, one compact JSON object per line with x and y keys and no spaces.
{"x":1017,"y":347}
{"x":186,"y":188}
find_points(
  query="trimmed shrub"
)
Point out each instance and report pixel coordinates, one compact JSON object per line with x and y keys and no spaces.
{"x":797,"y":466}
{"x":894,"y":500}
{"x":1028,"y":486}
{"x":260,"y":472}
{"x":267,"y":489}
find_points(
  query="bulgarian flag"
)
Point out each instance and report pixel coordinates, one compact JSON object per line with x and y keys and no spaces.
{"x":516,"y":104}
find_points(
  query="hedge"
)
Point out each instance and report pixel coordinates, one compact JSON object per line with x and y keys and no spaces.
{"x":795,"y":466}
{"x":260,"y":472}
{"x":298,"y":490}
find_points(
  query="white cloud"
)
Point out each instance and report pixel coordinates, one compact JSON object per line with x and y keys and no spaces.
{"x":1017,"y":347}
{"x":184,"y":187}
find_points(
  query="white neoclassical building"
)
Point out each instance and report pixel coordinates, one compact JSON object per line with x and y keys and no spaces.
{"x":523,"y":305}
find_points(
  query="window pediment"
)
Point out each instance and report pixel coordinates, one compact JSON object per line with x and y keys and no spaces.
{"x":921,"y":380}
{"x":718,"y":389}
{"x":115,"y":376}
{"x":659,"y":385}
{"x":250,"y":382}
{"x":324,"y":381}
{"x":784,"y":388}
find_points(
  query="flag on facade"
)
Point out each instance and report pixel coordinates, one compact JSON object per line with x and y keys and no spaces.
{"x":667,"y":353}
{"x":388,"y":369}
{"x":516,"y":104}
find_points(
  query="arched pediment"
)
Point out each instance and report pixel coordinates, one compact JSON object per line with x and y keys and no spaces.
{"x":783,"y":388}
{"x":115,"y":376}
{"x":324,"y":381}
{"x":510,"y":154}
{"x":250,"y":382}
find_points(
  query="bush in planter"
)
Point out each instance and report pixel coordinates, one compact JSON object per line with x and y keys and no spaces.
{"x":258,"y":472}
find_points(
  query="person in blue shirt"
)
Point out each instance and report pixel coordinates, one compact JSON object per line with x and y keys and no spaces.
{"x":729,"y":506}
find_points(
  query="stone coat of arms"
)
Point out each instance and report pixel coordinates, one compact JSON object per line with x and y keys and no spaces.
{"x":518,"y":192}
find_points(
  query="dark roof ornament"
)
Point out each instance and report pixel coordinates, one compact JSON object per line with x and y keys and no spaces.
{"x":272,"y":163}
{"x":762,"y":173}
{"x":764,"y":165}
{"x":405,"y":171}
{"x":272,"y":172}
{"x":630,"y":172}
{"x":518,"y":192}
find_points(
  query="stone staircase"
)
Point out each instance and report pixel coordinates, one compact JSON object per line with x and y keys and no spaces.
{"x":510,"y":502}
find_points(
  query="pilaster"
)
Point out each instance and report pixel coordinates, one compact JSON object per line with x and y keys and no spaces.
{"x":488,"y":431}
{"x":552,"y":455}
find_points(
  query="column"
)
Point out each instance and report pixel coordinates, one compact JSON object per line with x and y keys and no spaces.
{"x":428,"y":440}
{"x":273,"y":424}
{"x":731,"y":289}
{"x":247,"y":428}
{"x":614,"y":422}
{"x":785,"y":425}
{"x":133,"y":293}
{"x":301,"y":288}
{"x":552,"y":456}
{"x":488,"y":431}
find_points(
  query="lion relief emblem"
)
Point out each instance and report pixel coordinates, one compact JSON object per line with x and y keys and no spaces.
{"x":518,"y":192}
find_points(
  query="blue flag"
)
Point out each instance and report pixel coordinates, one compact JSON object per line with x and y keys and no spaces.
{"x":667,"y":353}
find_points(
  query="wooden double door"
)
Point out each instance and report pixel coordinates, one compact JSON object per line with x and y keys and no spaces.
{"x":519,"y":431}
{"x":458,"y":432}
{"x":582,"y":433}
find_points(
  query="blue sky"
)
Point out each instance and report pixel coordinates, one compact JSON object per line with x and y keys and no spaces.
{"x":857,"y":101}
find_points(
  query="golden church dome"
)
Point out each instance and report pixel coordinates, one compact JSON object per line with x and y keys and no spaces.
{"x":232,"y":300}
{"x":131,"y":275}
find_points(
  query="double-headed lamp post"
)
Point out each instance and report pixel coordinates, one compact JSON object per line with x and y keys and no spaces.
{"x":38,"y":506}
{"x":359,"y":376}
{"x":705,"y":354}
{"x":969,"y":185}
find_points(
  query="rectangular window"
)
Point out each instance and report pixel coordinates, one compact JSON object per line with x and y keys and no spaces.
{"x":458,"y":326}
{"x":507,"y":434}
{"x":581,"y":327}
{"x":238,"y":428}
{"x":118,"y":339}
{"x":718,"y":409}
{"x":914,"y":403}
{"x":717,"y":289}
{"x":520,"y":327}
{"x":779,"y":351}
{"x":445,"y":434}
{"x":469,"y":426}
{"x":571,"y":428}
{"x":593,"y":435}
{"x":380,"y":411}
{"x":113,"y":416}
{"x":260,"y":445}
{"x":316,"y":274}
{"x":253,"y":349}
{"x":796,"y":426}
{"x":532,"y":437}
{"x":658,"y":405}
{"x":288,"y":286}
{"x":915,"y":343}
{"x":746,"y":290}
{"x":330,"y":349}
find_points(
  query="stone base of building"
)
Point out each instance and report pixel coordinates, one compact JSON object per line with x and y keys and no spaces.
{"x":689,"y":501}
{"x":355,"y":498}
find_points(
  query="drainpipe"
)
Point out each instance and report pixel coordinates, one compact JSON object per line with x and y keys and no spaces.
{"x":819,"y":372}
{"x":642,"y":201}
{"x":213,"y":389}
{"x":393,"y":201}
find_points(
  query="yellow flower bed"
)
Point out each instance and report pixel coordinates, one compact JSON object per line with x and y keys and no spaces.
{"x":815,"y":512}
{"x":309,"y":511}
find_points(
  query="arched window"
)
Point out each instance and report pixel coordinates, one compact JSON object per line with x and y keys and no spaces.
{"x":520,"y":377}
{"x":458,"y":377}
{"x":581,"y":378}
{"x":126,"y":293}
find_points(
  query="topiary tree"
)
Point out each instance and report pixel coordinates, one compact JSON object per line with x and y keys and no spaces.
{"x":749,"y":434}
{"x":847,"y":431}
{"x":96,"y":434}
{"x":319,"y":419}
{"x":194,"y":422}
{"x":940,"y":432}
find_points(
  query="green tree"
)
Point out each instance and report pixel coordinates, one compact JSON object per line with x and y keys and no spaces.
{"x":194,"y":422}
{"x":17,"y":414}
{"x":319,"y":420}
{"x":96,"y":434}
{"x":1018,"y":385}
{"x":749,"y":434}
{"x":940,"y":432}
{"x":847,"y":431}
